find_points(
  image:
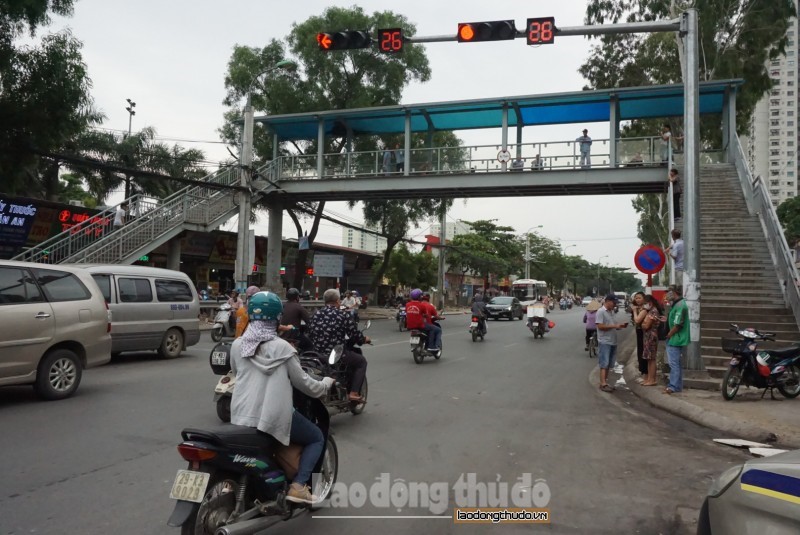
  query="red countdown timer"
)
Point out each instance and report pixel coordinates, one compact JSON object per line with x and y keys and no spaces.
{"x":390,"y":40}
{"x":541,"y":31}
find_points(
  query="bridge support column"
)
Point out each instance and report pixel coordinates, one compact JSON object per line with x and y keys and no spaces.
{"x":274,"y":244}
{"x":613,"y":134}
{"x":407,"y":145}
{"x":728,"y":122}
{"x":174,"y":254}
{"x":504,"y":164}
{"x":321,"y":148}
{"x":691,"y":276}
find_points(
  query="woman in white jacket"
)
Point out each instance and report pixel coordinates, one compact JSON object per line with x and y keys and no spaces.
{"x":266,"y":369}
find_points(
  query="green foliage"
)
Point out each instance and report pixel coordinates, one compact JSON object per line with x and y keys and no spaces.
{"x":409,"y":269}
{"x":737,"y":38}
{"x":789,"y":216}
{"x":653,"y":227}
{"x":488,"y":248}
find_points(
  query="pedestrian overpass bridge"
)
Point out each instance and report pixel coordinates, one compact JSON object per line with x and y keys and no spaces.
{"x":508,"y":168}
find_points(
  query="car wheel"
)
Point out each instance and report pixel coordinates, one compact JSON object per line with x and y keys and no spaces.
{"x":171,"y":344}
{"x":59,"y":375}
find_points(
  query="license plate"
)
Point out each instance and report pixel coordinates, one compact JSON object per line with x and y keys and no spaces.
{"x":218,"y":358}
{"x":414,"y":340}
{"x":734,"y":361}
{"x":189,"y":486}
{"x":473,"y":324}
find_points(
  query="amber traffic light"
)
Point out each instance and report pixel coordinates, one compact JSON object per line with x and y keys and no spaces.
{"x":497,"y":30}
{"x":348,"y":40}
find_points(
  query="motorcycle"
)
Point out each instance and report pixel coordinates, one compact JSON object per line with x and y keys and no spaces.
{"x":419,"y":343}
{"x":352,"y":311}
{"x":477,"y":328}
{"x":400,"y":318}
{"x":222,"y":324}
{"x":537,"y":320}
{"x":237,"y":479}
{"x":766,"y":368}
{"x":336,"y":400}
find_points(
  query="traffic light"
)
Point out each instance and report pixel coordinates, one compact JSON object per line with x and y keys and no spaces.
{"x":497,"y":30}
{"x":348,"y":40}
{"x":310,"y":271}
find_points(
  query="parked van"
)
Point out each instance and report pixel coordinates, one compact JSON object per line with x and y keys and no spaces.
{"x":54,"y":323}
{"x":151,"y":308}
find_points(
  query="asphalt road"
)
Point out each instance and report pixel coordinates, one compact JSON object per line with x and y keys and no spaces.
{"x":103,"y":461}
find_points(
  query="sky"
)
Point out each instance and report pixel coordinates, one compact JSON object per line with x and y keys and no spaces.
{"x":170,"y":57}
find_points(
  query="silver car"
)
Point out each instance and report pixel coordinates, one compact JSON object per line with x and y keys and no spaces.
{"x":760,"y":497}
{"x":151,"y":308}
{"x":54,"y":322}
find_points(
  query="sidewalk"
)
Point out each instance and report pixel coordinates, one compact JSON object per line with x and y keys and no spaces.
{"x":746,"y":416}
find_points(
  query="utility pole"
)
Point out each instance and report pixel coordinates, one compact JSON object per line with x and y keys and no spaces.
{"x":131,"y":113}
{"x":442,"y":239}
{"x":243,"y":267}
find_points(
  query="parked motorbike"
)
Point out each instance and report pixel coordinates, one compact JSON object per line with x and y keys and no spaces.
{"x":400,"y":318}
{"x":237,"y":479}
{"x":337,"y":400}
{"x":222,"y":324}
{"x":477,"y":328}
{"x":419,"y":345}
{"x":766,"y":368}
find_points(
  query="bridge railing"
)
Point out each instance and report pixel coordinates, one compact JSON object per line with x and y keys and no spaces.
{"x":541,"y":156}
{"x":759,"y":202}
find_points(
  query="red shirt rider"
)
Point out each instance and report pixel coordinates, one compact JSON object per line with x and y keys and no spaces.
{"x":429,"y":311}
{"x":415,"y":315}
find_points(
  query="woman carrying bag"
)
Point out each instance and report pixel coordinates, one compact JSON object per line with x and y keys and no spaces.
{"x":653,"y":318}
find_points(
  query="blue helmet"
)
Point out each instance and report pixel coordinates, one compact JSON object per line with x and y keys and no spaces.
{"x":415,"y":294}
{"x":264,"y":306}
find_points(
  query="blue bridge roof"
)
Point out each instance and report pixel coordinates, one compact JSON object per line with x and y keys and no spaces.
{"x":558,"y":108}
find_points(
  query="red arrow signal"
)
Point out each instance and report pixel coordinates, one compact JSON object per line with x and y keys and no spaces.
{"x":325,"y":41}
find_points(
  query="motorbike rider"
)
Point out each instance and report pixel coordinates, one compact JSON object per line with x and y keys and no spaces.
{"x":351,"y":304}
{"x":294,"y":315}
{"x":241,"y":312}
{"x":434,"y":331}
{"x":479,"y":311}
{"x":267,"y":368}
{"x":541,"y":300}
{"x":330,"y":327}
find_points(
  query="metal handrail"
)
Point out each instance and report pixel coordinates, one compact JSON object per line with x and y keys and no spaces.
{"x":759,"y":203}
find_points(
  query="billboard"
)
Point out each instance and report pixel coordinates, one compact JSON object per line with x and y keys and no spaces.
{"x":328,"y":265}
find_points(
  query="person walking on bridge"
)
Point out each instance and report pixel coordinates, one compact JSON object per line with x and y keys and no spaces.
{"x":586,"y":148}
{"x":400,"y":158}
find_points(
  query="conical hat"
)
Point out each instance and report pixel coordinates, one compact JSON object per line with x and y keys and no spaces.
{"x":591,"y":307}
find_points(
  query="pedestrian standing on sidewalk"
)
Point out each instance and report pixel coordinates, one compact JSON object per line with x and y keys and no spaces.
{"x":638,"y":314}
{"x":653,"y":316}
{"x":607,"y":328}
{"x":677,"y":338}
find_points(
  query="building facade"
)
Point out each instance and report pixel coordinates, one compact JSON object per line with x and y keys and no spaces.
{"x":364,"y":241}
{"x":772,"y":143}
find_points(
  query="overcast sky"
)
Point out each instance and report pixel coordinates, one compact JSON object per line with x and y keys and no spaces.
{"x":170,"y":58}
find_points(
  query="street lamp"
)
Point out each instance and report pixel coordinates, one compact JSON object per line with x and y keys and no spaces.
{"x":131,"y":113}
{"x":528,"y":251}
{"x":598,"y":272}
{"x":245,"y":160}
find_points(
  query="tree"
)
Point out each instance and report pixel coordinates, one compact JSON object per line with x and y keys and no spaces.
{"x":409,"y":269}
{"x":737,"y":38}
{"x":789,"y":216}
{"x":337,"y":80}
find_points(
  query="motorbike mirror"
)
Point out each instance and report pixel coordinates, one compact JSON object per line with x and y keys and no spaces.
{"x":336,"y":354}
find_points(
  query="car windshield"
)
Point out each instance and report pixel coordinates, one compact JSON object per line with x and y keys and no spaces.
{"x":501,"y":301}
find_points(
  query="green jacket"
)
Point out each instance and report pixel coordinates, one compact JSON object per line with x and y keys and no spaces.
{"x":679,"y":315}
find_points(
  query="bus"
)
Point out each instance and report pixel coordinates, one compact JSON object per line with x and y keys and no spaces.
{"x":528,"y":289}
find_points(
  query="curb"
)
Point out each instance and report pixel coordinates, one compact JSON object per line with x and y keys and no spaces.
{"x":684,"y":409}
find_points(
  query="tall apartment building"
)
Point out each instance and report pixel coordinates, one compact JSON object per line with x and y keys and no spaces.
{"x":452,"y":229}
{"x":773,"y":144}
{"x":364,"y":241}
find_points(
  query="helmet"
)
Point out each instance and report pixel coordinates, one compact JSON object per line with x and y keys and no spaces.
{"x":251,"y":291}
{"x":355,"y":293}
{"x":415,"y":294}
{"x":264,"y":306}
{"x":293,"y":294}
{"x":426,"y":296}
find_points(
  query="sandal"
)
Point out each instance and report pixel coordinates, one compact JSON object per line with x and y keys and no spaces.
{"x":359,"y":400}
{"x":606,"y":388}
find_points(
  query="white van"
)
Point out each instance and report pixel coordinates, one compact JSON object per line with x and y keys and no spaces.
{"x":151,"y":308}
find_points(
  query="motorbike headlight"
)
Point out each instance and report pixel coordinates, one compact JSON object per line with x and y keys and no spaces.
{"x":721,"y":483}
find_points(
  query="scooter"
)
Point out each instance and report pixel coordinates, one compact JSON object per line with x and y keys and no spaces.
{"x":237,"y":479}
{"x":419,"y":345}
{"x":766,"y":368}
{"x":537,"y":320}
{"x":477,"y":328}
{"x":337,"y":400}
{"x":400,"y":318}
{"x":222,"y":325}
